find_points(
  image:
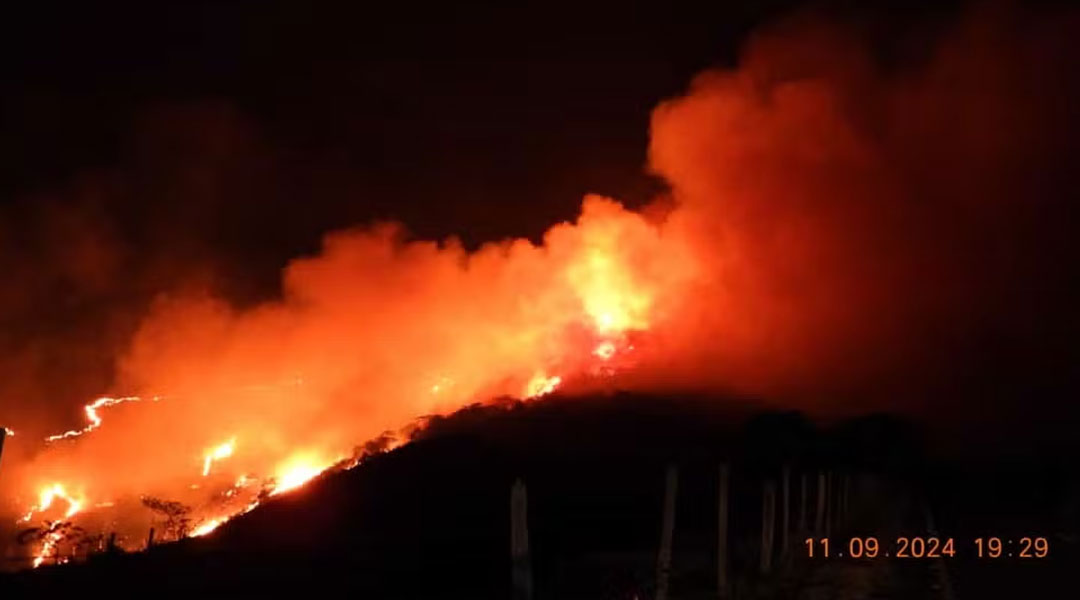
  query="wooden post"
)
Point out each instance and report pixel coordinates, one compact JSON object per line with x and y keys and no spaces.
{"x":803,"y":487}
{"x":847,"y":495}
{"x":768,"y":525}
{"x":819,"y":515}
{"x":667,"y":533}
{"x":723,"y":587}
{"x":521,"y":573}
{"x":839,"y":481}
{"x":150,"y":539}
{"x":785,"y":488}
{"x":830,"y":495}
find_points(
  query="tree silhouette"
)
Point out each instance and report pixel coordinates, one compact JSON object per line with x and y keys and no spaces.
{"x":177,"y":520}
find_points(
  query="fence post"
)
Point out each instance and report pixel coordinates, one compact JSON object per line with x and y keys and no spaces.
{"x":722,"y":585}
{"x":521,"y":568}
{"x":819,"y":515}
{"x":830,"y":500}
{"x":846,"y":496}
{"x":150,"y":539}
{"x":667,"y":532}
{"x":802,"y":503}
{"x":785,"y":488}
{"x":838,"y":502}
{"x":768,"y":525}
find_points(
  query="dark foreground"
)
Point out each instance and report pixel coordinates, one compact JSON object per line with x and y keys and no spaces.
{"x":432,"y":518}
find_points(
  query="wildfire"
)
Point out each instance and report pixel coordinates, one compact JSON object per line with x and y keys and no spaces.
{"x":593,"y":304}
{"x":92,"y":416}
{"x":295,"y":473}
{"x":610,"y":298}
{"x":50,"y":543}
{"x":51,"y":493}
{"x":217,"y":453}
{"x":541,"y":385}
{"x":748,"y":275}
{"x":207,"y":527}
{"x":48,"y":495}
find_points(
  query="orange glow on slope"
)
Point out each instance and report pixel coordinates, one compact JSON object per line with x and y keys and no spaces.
{"x":541,"y":385}
{"x":296,"y":472}
{"x":207,"y":527}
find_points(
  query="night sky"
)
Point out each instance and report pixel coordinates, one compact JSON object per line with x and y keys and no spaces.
{"x":307,"y":116}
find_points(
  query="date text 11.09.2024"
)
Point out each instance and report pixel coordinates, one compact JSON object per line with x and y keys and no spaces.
{"x":927,"y":547}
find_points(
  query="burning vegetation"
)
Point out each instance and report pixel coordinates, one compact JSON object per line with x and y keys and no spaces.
{"x":827,"y":221}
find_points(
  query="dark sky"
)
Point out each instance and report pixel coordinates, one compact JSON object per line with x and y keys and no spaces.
{"x":487,"y":123}
{"x":314,"y":115}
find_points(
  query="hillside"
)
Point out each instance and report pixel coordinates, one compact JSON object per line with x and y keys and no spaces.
{"x":431,"y":519}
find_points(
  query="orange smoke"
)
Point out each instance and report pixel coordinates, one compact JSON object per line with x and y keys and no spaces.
{"x":827,"y":222}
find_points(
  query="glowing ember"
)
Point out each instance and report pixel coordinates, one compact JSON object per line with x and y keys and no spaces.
{"x":605,"y":350}
{"x":46,"y":548}
{"x":218,"y":453}
{"x":541,"y":385}
{"x":9,"y":432}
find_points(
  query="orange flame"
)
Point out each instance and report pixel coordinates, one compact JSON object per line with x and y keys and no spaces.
{"x":207,"y":527}
{"x":47,"y":496}
{"x":217,"y":453}
{"x":296,"y":472}
{"x":93,"y":417}
{"x":55,"y":491}
{"x":541,"y":385}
